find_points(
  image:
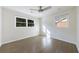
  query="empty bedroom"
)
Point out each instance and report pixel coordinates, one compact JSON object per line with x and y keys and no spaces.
{"x":39,"y":29}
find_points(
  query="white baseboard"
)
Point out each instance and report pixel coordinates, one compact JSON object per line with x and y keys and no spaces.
{"x":64,"y":40}
{"x":16,"y":40}
{"x":77,"y":47}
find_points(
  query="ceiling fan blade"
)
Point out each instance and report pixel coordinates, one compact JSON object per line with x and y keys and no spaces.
{"x":41,"y":9}
{"x":34,"y":9}
{"x":47,"y":8}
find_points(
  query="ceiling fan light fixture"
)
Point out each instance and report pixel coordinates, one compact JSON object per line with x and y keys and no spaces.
{"x":41,"y":9}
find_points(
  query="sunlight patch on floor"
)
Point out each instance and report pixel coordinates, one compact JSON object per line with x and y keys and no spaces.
{"x":46,"y":41}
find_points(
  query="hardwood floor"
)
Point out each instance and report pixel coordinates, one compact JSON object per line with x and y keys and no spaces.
{"x":39,"y":44}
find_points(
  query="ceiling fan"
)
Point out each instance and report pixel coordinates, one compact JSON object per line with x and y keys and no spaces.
{"x":41,"y":8}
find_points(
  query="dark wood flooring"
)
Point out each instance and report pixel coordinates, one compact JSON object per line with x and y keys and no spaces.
{"x":38,"y":44}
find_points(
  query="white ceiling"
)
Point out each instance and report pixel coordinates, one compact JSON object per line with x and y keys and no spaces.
{"x":26,"y":9}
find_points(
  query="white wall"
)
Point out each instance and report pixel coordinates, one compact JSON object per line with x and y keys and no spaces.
{"x":0,"y":25}
{"x":12,"y":33}
{"x":67,"y":34}
{"x":78,"y":28}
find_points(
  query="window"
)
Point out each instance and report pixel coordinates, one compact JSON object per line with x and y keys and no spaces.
{"x":30,"y":23}
{"x":20,"y":22}
{"x":62,"y":23}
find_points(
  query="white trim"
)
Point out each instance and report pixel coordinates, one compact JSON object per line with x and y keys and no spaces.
{"x":20,"y":17}
{"x":77,"y":47}
{"x":17,"y":39}
{"x":63,"y":40}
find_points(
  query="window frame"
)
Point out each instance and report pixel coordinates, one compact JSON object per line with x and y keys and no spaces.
{"x":30,"y":23}
{"x":20,"y":22}
{"x":61,"y":18}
